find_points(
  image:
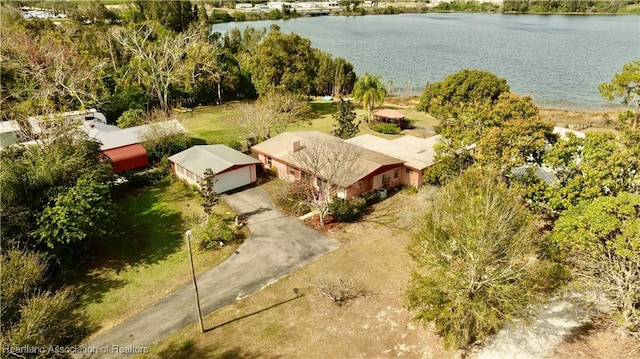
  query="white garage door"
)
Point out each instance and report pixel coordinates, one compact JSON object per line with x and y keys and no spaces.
{"x":233,"y":179}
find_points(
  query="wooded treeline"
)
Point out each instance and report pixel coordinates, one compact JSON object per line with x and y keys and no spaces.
{"x":151,"y":55}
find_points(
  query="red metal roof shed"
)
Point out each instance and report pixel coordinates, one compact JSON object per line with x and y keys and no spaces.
{"x":127,"y":158}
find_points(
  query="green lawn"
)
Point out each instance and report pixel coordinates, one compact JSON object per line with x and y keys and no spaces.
{"x":146,"y":258}
{"x":215,"y":124}
{"x":212,"y":124}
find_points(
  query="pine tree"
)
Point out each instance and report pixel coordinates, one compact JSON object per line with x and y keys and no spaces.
{"x":346,"y":125}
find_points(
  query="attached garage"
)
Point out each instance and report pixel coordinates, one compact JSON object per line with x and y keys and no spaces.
{"x":233,"y":169}
{"x":127,"y":158}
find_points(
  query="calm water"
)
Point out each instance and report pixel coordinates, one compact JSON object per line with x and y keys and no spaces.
{"x":559,"y":60}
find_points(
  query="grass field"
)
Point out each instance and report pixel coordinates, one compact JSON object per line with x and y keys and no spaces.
{"x":277,"y":323}
{"x":146,"y":258}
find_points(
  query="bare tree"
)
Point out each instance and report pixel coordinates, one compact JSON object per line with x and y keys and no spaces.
{"x":42,"y":75}
{"x":159,"y":60}
{"x":273,"y":112}
{"x":329,"y":166}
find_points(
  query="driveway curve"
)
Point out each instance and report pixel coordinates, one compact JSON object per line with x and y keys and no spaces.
{"x":278,"y":245}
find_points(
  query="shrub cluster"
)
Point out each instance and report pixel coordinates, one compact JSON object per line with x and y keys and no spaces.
{"x":347,"y":210}
{"x":292,"y":199}
{"x":388,"y":128}
{"x":217,"y":233}
{"x":146,"y":177}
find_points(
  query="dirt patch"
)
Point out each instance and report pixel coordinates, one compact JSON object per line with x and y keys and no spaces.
{"x":605,"y":120}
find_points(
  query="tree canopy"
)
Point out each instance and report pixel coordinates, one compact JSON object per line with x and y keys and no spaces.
{"x":586,"y":168}
{"x":625,"y":86}
{"x":475,"y":260}
{"x":283,"y":61}
{"x":443,"y":99}
{"x":601,"y":238}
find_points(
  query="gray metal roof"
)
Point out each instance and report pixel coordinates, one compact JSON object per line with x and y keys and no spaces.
{"x":217,"y":157}
{"x":114,"y":137}
{"x":544,"y":173}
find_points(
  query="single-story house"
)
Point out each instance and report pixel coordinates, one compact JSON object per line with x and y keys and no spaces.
{"x":391,"y":116}
{"x":233,"y":169}
{"x":122,"y":145}
{"x":376,"y":170}
{"x":40,"y":124}
{"x":416,"y":153}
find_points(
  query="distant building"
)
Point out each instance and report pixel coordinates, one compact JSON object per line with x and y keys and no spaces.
{"x":40,"y":124}
{"x":9,"y":133}
{"x":123,"y":145}
{"x":243,"y":6}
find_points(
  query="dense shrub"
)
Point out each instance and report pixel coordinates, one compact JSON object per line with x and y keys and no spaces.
{"x":292,"y":198}
{"x":347,"y":210}
{"x":146,"y":177}
{"x":217,"y":233}
{"x":130,"y":118}
{"x":370,"y":197}
{"x":388,"y":128}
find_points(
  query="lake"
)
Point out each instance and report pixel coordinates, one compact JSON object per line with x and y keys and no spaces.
{"x":558,"y":59}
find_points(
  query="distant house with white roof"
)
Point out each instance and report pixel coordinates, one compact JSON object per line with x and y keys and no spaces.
{"x":9,"y":133}
{"x":40,"y":124}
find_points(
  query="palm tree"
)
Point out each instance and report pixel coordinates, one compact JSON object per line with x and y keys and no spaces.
{"x":369,"y":91}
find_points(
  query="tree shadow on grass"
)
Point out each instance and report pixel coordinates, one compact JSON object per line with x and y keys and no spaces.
{"x":384,"y":212}
{"x":189,"y":349}
{"x":319,"y":109}
{"x":198,"y":141}
{"x":147,"y":230}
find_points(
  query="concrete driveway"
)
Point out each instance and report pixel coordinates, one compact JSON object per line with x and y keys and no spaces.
{"x":278,"y":245}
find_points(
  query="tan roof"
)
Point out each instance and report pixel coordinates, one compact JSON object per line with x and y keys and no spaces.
{"x":389,"y":113}
{"x":416,"y":152}
{"x":278,"y":148}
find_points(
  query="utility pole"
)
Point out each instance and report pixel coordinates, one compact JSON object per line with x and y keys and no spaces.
{"x":195,"y":286}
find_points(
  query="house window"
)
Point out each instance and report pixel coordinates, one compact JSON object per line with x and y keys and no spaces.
{"x":385,"y":180}
{"x":269,"y":161}
{"x":318,"y":181}
{"x":305,"y":176}
{"x":409,"y":171}
{"x":292,"y":171}
{"x":396,"y":173}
